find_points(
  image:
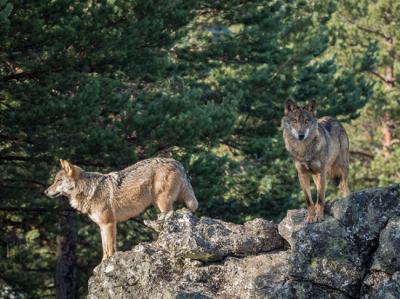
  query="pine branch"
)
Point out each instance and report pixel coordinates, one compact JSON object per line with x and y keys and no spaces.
{"x":48,"y":210}
{"x":34,"y":210}
{"x":23,"y":75}
{"x":365,"y":29}
{"x":280,"y":68}
{"x":22,"y":158}
{"x":380,"y":76}
{"x":22,"y":183}
{"x":362,"y":153}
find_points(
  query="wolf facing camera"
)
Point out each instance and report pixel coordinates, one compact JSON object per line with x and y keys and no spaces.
{"x":319,"y":147}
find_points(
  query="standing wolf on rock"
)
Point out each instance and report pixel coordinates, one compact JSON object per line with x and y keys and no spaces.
{"x":319,"y":147}
{"x":118,"y":196}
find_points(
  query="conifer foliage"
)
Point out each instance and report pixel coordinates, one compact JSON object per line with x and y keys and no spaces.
{"x":107,"y":83}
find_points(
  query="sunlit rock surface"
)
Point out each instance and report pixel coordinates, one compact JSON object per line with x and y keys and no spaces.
{"x":352,"y":254}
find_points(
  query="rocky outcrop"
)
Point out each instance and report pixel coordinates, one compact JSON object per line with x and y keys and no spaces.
{"x":352,"y":254}
{"x":207,"y":239}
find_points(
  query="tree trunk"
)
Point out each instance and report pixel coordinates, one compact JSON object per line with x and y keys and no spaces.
{"x":387,"y":123}
{"x":387,"y":131}
{"x":65,"y":277}
{"x":389,"y":78}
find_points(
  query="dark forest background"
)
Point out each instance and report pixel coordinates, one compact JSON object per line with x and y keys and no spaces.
{"x":107,"y":83}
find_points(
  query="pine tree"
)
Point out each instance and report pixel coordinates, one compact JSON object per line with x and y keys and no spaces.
{"x":253,"y":55}
{"x":108,"y":83}
{"x":69,"y":73}
{"x":365,"y":39}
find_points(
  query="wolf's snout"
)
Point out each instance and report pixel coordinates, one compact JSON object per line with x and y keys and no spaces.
{"x":301,"y":136}
{"x":50,"y":194}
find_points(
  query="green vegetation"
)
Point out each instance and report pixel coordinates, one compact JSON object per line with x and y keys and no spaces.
{"x":107,"y":83}
{"x":365,"y":36}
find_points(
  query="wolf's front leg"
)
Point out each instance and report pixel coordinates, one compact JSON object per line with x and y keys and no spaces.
{"x":304,"y":180}
{"x":320,"y":183}
{"x":108,"y":238}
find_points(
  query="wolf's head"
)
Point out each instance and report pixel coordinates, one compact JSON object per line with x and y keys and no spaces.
{"x":65,"y":180}
{"x":300,"y":122}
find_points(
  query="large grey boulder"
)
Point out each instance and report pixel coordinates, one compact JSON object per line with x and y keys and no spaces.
{"x":337,"y":252}
{"x":387,"y":256}
{"x":383,"y":281}
{"x":147,"y":272}
{"x":352,"y":254}
{"x":182,"y":262}
{"x":208,"y":239}
{"x":380,"y":285}
{"x":293,"y":222}
{"x":325,"y":253}
{"x":366,"y":213}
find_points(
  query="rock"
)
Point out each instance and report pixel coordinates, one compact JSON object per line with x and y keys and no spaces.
{"x":365,"y":214}
{"x":324,"y":253}
{"x":372,"y":282}
{"x":387,"y":258}
{"x":306,"y":290}
{"x":293,"y":222}
{"x":147,"y":272}
{"x":352,"y":254}
{"x":380,"y":285}
{"x":337,"y":251}
{"x":208,"y":239}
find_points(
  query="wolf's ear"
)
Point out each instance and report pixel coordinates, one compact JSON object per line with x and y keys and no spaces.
{"x":62,"y":163}
{"x":312,"y":107}
{"x":68,"y":168}
{"x":289,"y":106}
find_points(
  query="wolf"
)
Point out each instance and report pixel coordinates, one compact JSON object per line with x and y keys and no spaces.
{"x":319,"y":147}
{"x":117,"y":196}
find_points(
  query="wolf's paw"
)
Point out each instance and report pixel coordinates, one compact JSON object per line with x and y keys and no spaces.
{"x":310,"y":218}
{"x":319,"y":218}
{"x":319,"y":215}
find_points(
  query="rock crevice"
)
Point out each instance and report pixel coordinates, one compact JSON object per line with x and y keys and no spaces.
{"x":352,"y":254}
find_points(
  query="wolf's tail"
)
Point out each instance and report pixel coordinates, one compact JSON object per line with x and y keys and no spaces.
{"x":188,"y":197}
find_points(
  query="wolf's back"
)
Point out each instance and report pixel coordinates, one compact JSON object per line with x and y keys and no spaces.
{"x":145,"y":170}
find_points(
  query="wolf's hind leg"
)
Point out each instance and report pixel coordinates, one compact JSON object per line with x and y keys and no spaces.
{"x":188,"y":197}
{"x":345,"y":181}
{"x":166,"y":191}
{"x":164,"y":202}
{"x":340,"y":175}
{"x":343,"y":161}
